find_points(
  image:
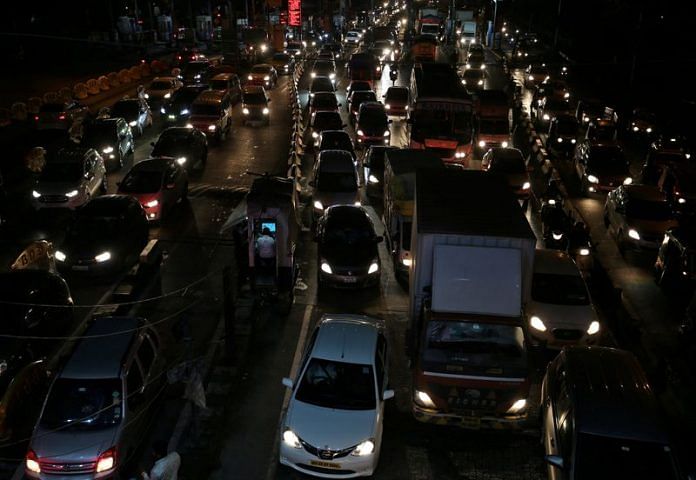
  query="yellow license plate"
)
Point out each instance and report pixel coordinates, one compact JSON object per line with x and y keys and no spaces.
{"x":318,"y":463}
{"x":471,"y":422}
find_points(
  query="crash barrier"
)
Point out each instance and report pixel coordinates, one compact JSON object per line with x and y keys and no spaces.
{"x":33,"y":104}
{"x":92,"y":86}
{"x":104,"y":84}
{"x":80,"y":91}
{"x":6,"y":116}
{"x":18,"y":111}
{"x":296,"y":149}
{"x":114,"y":81}
{"x":50,"y":97}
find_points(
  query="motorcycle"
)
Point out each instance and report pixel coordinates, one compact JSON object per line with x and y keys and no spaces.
{"x":581,"y":248}
{"x":556,"y":224}
{"x":393,"y":73}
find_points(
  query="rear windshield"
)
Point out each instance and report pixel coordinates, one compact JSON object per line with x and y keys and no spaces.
{"x":259,"y":69}
{"x":84,"y":404}
{"x":559,"y":289}
{"x":508,"y":165}
{"x":397,"y":94}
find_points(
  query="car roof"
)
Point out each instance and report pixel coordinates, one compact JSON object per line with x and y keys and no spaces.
{"x":649,"y":193}
{"x":101,"y":354}
{"x":371,"y":105}
{"x":347,"y":338}
{"x":335,"y":161}
{"x":554,"y":262}
{"x":209,"y":97}
{"x":254,"y":89}
{"x":611,"y":393}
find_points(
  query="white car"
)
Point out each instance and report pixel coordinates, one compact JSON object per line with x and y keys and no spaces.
{"x":162,"y":89}
{"x":333,"y":424}
{"x":560,"y":312}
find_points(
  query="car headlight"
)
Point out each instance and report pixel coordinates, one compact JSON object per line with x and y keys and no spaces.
{"x":406,"y":262}
{"x":360,"y":132}
{"x":290,"y":439}
{"x":245,"y":111}
{"x":386,"y":133}
{"x":593,"y":328}
{"x":332,"y":76}
{"x":592,"y":179}
{"x":315,"y":135}
{"x":103,"y":257}
{"x":556,"y":236}
{"x":518,"y":406}
{"x":628,"y":181}
{"x":681,"y":200}
{"x":482,"y":144}
{"x":326,"y":268}
{"x":483,"y":66}
{"x":212,"y":128}
{"x":386,"y":51}
{"x":35,"y":194}
{"x":573,"y":141}
{"x":530,"y":78}
{"x":72,"y":193}
{"x":313,"y":74}
{"x":526,"y":185}
{"x":357,"y":203}
{"x":152,"y":203}
{"x":459,"y":154}
{"x":373,"y":179}
{"x":197,"y":76}
{"x":267,"y":78}
{"x":108,"y":150}
{"x":546,"y":117}
{"x":365,"y":448}
{"x":387,"y":106}
{"x":648,"y":130}
{"x":133,"y":123}
{"x":633,"y":233}
{"x":147,"y":95}
{"x":264,"y":47}
{"x":374,"y":267}
{"x":504,"y":144}
{"x":185,"y":111}
{"x":266,"y":110}
{"x":584,"y":252}
{"x":181,"y":160}
{"x":60,"y":256}
{"x":168,"y":95}
{"x":318,"y":205}
{"x":559,"y":140}
{"x":480,"y":82}
{"x":463,"y":82}
{"x":162,"y":110}
{"x":537,"y":324}
{"x":250,"y":77}
{"x":423,"y":399}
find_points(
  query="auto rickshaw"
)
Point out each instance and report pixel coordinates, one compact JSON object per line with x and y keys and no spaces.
{"x":271,"y":210}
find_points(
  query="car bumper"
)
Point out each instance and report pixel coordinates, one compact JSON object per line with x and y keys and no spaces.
{"x":376,"y":140}
{"x":557,"y":338}
{"x":349,"y":281}
{"x":507,"y":422}
{"x":71,"y":203}
{"x":346,"y":467}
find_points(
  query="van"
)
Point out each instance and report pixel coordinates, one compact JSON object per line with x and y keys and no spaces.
{"x":335,"y":181}
{"x":100,"y":405}
{"x":227,"y":83}
{"x":600,"y":418}
{"x":211,"y":113}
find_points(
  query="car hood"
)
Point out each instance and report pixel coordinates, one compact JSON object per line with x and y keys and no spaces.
{"x":328,"y":428}
{"x":88,"y":246}
{"x":577,"y":317}
{"x":349,"y":256}
{"x":73,"y":445}
{"x":332,"y":198}
{"x":57,"y":188}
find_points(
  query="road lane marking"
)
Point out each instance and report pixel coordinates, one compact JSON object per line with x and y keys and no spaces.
{"x":273,"y":465}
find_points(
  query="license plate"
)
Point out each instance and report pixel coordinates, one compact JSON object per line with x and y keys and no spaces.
{"x":471,"y":422}
{"x":349,"y":279}
{"x":318,"y":463}
{"x":80,"y":268}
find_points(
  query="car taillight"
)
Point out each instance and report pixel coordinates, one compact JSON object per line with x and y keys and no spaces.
{"x":36,"y":117}
{"x":107,"y":460}
{"x":61,"y":117}
{"x":32,"y":462}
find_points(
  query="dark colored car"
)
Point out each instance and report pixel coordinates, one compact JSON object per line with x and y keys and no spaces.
{"x":676,"y":258}
{"x":59,"y":115}
{"x":601,"y":167}
{"x":325,"y":120}
{"x":112,"y":138}
{"x":255,"y":105}
{"x":159,"y":184}
{"x":373,"y":169}
{"x":372,"y":124}
{"x":356,"y":85}
{"x":135,"y":111}
{"x":336,"y":140}
{"x":284,"y":63}
{"x":196,"y":72}
{"x":356,"y":98}
{"x":563,"y":132}
{"x":188,"y":146}
{"x":178,"y":109}
{"x":347,"y":248}
{"x":324,"y":68}
{"x":105,"y":236}
{"x":601,"y":419}
{"x":323,"y":101}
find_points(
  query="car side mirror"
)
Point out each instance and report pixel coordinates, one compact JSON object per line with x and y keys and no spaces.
{"x":287,"y":383}
{"x":379,"y":239}
{"x":387,"y":394}
{"x":554,"y":460}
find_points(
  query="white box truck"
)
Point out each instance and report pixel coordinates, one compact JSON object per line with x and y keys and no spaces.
{"x":472,"y":253}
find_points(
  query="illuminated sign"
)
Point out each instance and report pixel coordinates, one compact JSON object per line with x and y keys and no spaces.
{"x":294,"y":13}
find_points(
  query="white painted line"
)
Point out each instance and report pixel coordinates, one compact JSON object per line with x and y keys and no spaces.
{"x":273,"y":464}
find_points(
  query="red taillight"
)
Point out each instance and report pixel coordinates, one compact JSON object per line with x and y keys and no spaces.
{"x":61,"y":117}
{"x":36,"y":117}
{"x":107,"y":460}
{"x":32,"y":462}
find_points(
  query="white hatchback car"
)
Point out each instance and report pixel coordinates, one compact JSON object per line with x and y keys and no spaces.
{"x":560,"y":311}
{"x":333,"y":424}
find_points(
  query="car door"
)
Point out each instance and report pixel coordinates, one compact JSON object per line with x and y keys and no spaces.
{"x":90,"y":177}
{"x":580,"y":158}
{"x":136,"y":404}
{"x":382,"y":382}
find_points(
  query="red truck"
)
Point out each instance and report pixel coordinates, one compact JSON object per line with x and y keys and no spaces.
{"x":492,"y":121}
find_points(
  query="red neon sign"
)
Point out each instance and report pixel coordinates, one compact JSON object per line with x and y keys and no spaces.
{"x":295,"y":13}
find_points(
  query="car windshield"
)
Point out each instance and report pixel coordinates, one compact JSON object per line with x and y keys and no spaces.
{"x":559,"y":289}
{"x":557,"y":105}
{"x":323,"y":68}
{"x":87,"y":226}
{"x":358,"y":86}
{"x":467,"y":347}
{"x":606,"y":458}
{"x":62,"y":172}
{"x":348,"y":231}
{"x":218,"y":84}
{"x":430,"y":29}
{"x":171,"y":143}
{"x":325,"y":101}
{"x":322,"y":85}
{"x":205,"y":109}
{"x":362,"y":96}
{"x":337,"y":385}
{"x":567,"y":127}
{"x":508,"y":164}
{"x":99,"y":134}
{"x":473,"y":74}
{"x":494,"y":126}
{"x":194,"y":68}
{"x":160,"y":85}
{"x":87,"y":404}
{"x":336,"y":142}
{"x":608,"y":160}
{"x":186,"y":95}
{"x":373,"y":119}
{"x":341,"y":182}
{"x":260,"y":69}
{"x":125,"y":109}
{"x":254,"y":99}
{"x":649,"y":210}
{"x":142,"y":182}
{"x":52,"y":108}
{"x":397,"y":94}
{"x":327,"y":122}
